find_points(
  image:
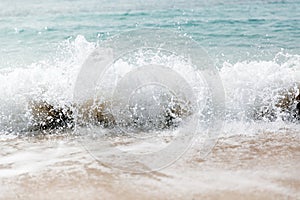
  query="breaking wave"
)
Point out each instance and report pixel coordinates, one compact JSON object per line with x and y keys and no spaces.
{"x":259,"y":90}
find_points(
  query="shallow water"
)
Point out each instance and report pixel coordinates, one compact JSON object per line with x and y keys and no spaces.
{"x":260,"y":166}
{"x":254,"y":47}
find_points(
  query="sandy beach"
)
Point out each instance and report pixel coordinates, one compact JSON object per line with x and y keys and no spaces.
{"x":262,"y":166}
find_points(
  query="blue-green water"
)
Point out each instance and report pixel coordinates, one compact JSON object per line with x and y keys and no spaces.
{"x":229,"y":30}
{"x":254,"y":44}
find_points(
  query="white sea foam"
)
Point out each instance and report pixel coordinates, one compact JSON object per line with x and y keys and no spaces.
{"x":253,"y":84}
{"x":248,"y":85}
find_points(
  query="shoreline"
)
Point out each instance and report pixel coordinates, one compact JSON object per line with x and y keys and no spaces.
{"x":261,"y":166}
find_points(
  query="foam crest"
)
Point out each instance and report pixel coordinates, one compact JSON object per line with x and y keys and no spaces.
{"x":48,"y":80}
{"x":251,"y":87}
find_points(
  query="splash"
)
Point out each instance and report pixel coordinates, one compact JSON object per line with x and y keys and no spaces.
{"x":46,"y":80}
{"x":254,"y":89}
{"x":264,"y":90}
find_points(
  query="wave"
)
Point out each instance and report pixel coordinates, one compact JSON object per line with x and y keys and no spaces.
{"x":269,"y":87}
{"x":254,"y":90}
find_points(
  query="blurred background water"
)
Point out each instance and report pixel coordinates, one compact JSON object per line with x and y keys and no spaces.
{"x":233,"y":30}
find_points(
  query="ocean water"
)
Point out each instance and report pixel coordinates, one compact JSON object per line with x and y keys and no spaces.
{"x":254,"y":48}
{"x":254,"y":45}
{"x":231,"y":31}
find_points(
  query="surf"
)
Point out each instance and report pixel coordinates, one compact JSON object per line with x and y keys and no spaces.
{"x":258,"y":90}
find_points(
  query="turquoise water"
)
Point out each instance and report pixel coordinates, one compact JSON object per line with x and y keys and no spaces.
{"x":255,"y":45}
{"x":31,"y":30}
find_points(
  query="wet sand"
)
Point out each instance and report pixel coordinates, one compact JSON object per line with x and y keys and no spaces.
{"x":261,"y":166}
